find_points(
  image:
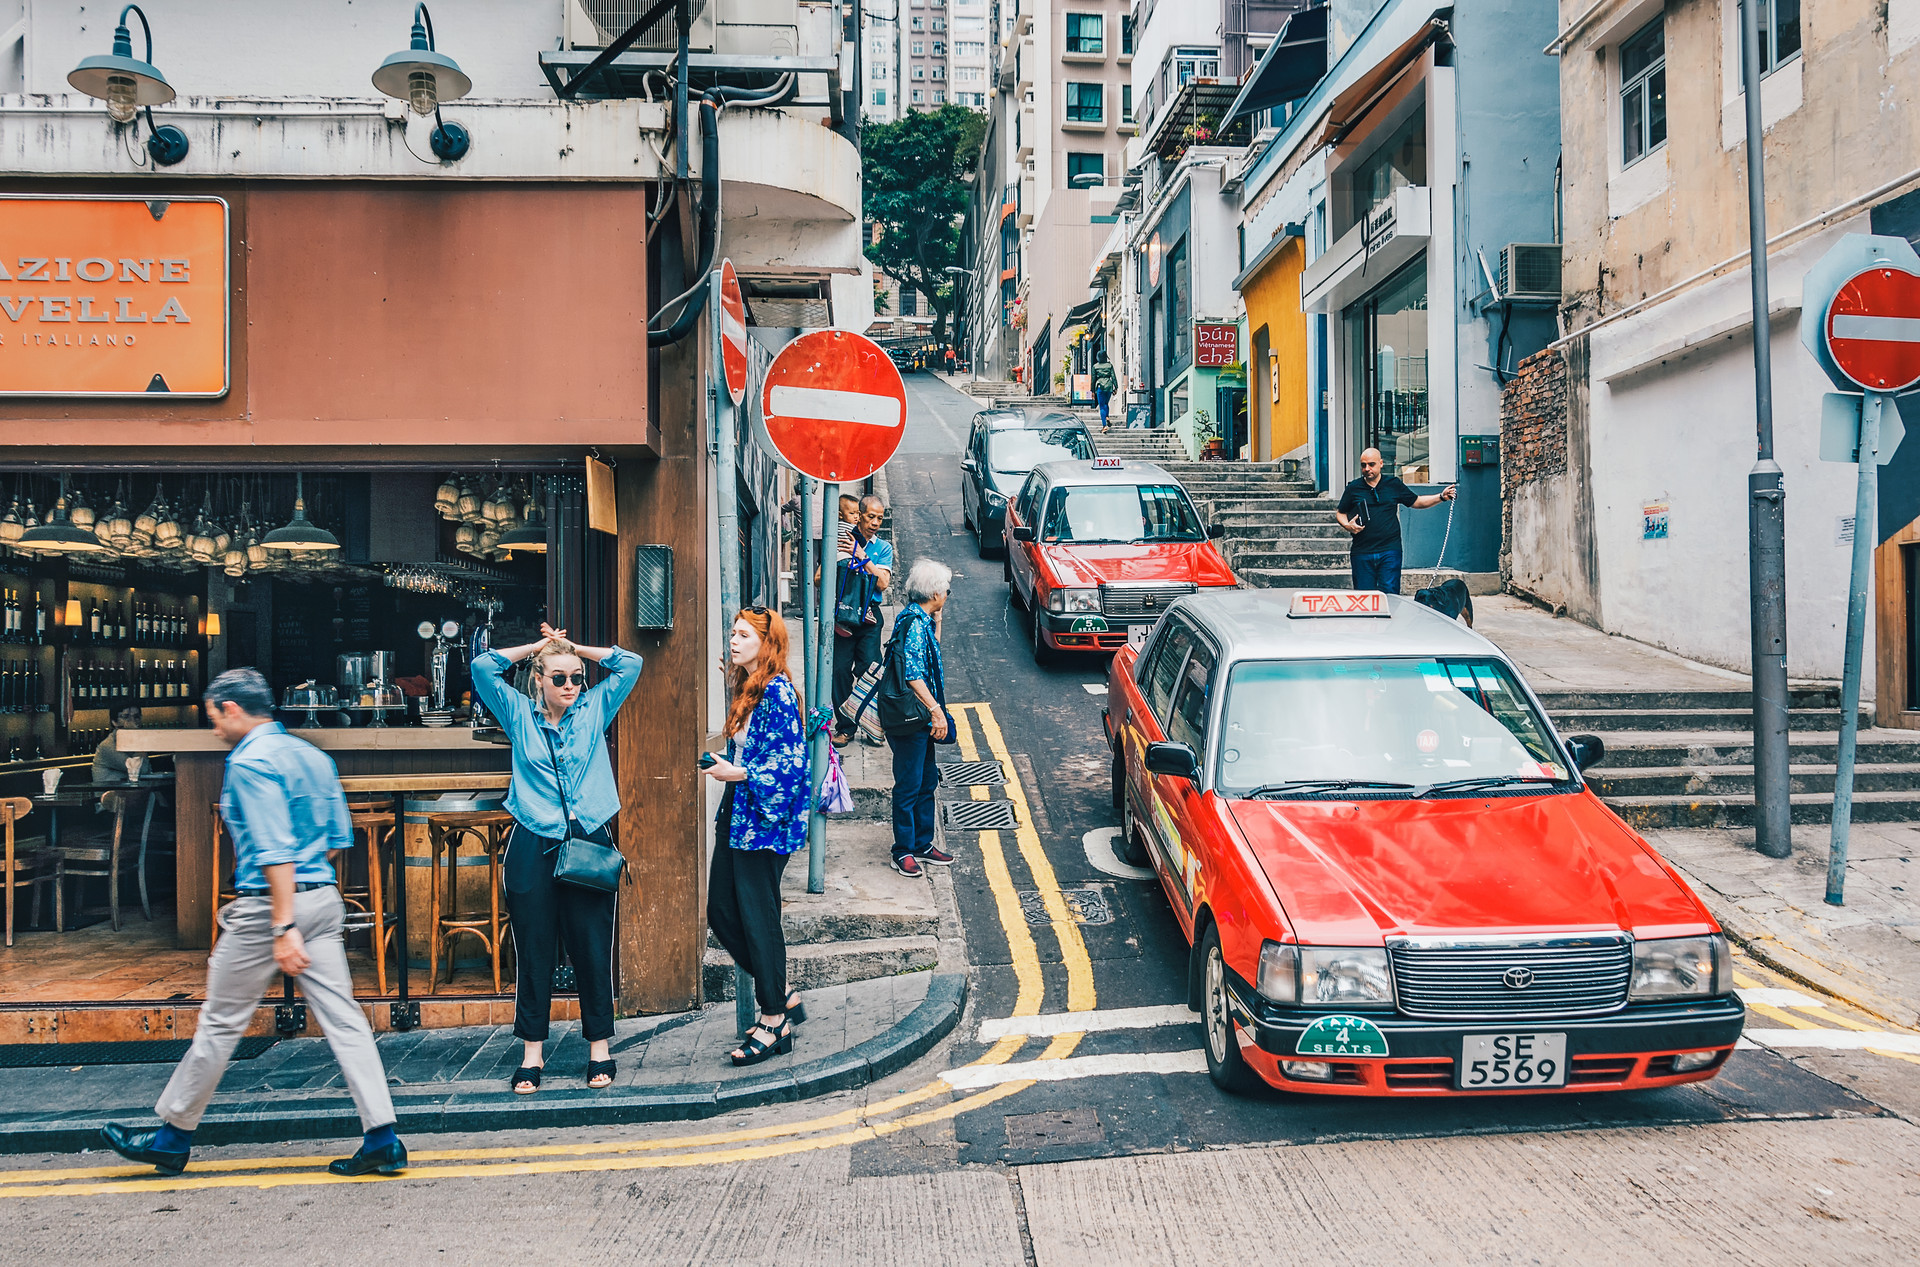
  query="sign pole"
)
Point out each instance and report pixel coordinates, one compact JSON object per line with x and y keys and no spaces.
{"x":821,"y":670}
{"x":1864,"y":513}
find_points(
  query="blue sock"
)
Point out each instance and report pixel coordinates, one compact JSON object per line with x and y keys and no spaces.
{"x":171,"y":1139}
{"x":379,"y":1137}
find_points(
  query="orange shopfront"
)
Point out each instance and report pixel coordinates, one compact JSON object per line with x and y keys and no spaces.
{"x":435,"y":372}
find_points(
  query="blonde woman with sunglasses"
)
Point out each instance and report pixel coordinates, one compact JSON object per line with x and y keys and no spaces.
{"x":562,"y":783}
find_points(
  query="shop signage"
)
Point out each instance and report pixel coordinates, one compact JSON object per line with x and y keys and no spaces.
{"x":834,"y":407}
{"x":113,"y":296}
{"x":1215,"y":343}
{"x":733,"y":333}
{"x":1873,"y":329}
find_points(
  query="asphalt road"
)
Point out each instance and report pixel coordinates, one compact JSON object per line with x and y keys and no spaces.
{"x":977,"y":1156}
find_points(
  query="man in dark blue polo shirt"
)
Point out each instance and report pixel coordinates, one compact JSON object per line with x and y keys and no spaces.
{"x":1370,"y":510}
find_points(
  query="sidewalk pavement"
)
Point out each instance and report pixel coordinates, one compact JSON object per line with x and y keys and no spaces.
{"x":1866,"y":952}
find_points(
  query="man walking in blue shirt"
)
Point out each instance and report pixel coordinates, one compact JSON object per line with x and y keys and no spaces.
{"x":284,"y":811}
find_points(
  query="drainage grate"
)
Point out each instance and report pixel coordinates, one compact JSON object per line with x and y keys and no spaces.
{"x":978,"y":815}
{"x":972,"y":773}
{"x":1087,"y":905}
{"x":159,"y":1051}
{"x":1054,"y":1129}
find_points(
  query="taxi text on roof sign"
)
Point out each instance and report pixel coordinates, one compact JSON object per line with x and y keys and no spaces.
{"x":1338,"y":603}
{"x":1109,"y":464}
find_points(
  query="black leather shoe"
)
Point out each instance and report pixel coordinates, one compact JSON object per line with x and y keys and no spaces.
{"x":138,"y":1146}
{"x":385,"y":1160}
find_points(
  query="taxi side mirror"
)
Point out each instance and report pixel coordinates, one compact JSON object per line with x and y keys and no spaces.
{"x":1216,"y":531}
{"x":1023,"y":532}
{"x":1176,"y":759}
{"x":1586,"y":750}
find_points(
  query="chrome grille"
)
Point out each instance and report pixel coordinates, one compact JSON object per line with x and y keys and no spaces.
{"x":1463,"y":979}
{"x":1141,"y":600}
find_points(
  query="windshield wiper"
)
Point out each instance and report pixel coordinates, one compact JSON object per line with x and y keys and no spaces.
{"x":1318,"y":785}
{"x":1484,"y":781}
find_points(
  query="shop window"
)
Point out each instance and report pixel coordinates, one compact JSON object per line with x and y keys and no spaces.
{"x":1086,"y":165}
{"x":1086,"y":33}
{"x":1779,"y":32}
{"x":1180,"y":322}
{"x":1179,"y":399}
{"x":1389,"y":332}
{"x":1085,"y":103}
{"x":1643,"y":91}
{"x":1401,"y":160}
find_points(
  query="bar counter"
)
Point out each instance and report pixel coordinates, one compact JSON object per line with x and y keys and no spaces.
{"x":402,"y":758}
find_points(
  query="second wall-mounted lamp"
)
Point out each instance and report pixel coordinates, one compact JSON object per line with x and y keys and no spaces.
{"x":423,"y":77}
{"x":129,"y":85}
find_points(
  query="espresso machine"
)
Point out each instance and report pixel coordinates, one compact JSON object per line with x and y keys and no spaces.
{"x":365,"y":680}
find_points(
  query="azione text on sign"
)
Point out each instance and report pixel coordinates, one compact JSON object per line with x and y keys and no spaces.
{"x":113,"y":296}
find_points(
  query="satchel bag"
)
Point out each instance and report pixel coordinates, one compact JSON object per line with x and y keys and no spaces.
{"x":899,"y":709}
{"x":583,"y":863}
{"x":852,"y":599}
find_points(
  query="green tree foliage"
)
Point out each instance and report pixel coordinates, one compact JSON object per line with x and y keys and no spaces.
{"x":913,"y":198}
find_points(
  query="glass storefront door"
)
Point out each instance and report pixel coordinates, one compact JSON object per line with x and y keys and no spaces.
{"x":1388,"y":336}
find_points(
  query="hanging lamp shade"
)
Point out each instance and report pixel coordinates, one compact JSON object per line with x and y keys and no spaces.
{"x":420,"y":75}
{"x":531,"y":535}
{"x":119,"y":78}
{"x":11,"y":529}
{"x":300,"y":536}
{"x":59,"y":535}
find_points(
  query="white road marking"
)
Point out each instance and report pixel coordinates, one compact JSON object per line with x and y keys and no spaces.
{"x":1101,"y":846}
{"x":1881,"y":329}
{"x":1073,"y":1067}
{"x":1837,"y":1040}
{"x":826,"y":405}
{"x":1052,"y":1023}
{"x":1094,"y":688}
{"x":1778,"y":998}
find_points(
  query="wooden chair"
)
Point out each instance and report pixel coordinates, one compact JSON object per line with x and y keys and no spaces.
{"x":23,"y":868}
{"x":97,"y":859}
{"x":164,"y":847}
{"x":222,"y":869}
{"x":374,"y":823}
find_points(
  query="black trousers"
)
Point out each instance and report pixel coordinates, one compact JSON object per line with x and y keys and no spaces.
{"x":851,"y":656}
{"x":546,"y":914}
{"x":743,"y":909}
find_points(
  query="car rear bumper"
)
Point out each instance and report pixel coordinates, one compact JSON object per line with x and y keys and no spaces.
{"x":1629,"y":1049}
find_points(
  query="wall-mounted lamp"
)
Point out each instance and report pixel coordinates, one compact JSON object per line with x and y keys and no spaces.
{"x":653,"y":587}
{"x":129,"y":85}
{"x":72,"y":617}
{"x":423,"y":77}
{"x":213,"y":625}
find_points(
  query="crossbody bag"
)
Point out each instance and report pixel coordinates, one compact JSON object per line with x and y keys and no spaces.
{"x":581,"y":862}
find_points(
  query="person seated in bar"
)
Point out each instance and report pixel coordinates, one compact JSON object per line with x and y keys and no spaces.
{"x":109,"y":765}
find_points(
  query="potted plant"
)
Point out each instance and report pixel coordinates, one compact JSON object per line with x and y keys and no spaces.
{"x":1212,"y":447}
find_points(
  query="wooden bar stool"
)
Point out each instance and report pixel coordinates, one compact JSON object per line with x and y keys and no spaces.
{"x":223,"y":863}
{"x":454,"y":822}
{"x":23,"y":868}
{"x":374,"y":824}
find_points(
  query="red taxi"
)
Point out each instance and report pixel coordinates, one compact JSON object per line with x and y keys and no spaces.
{"x":1394,"y":879}
{"x":1097,"y":547}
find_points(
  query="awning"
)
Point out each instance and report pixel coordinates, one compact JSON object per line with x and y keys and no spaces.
{"x":1079,"y":313}
{"x":1291,"y":66}
{"x":1353,"y":103}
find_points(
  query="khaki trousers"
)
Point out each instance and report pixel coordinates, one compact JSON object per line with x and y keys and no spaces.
{"x":238,"y":975}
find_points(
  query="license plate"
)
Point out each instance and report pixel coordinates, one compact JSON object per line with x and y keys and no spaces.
{"x":1511,"y":1062}
{"x":1137,"y":635}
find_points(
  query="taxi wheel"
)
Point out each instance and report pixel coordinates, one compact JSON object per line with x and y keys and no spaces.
{"x":1225,"y":1066}
{"x":1006,"y":571}
{"x":1042,"y":653}
{"x":1133,"y":849}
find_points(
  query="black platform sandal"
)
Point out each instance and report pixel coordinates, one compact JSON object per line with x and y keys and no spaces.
{"x":796,"y":1010}
{"x":528,"y":1075}
{"x":753,"y":1051}
{"x":600,"y":1069}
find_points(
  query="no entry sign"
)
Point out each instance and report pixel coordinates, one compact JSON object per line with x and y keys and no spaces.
{"x":1873,"y":329}
{"x":834,"y":405}
{"x":733,"y":333}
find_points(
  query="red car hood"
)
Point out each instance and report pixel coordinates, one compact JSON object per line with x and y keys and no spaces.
{"x":1350,"y":872}
{"x":1081,"y":565}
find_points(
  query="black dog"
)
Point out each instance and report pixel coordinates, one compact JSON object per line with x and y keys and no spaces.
{"x":1449,"y":598}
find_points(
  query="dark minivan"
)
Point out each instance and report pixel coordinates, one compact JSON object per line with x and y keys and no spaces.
{"x":1004,"y":446}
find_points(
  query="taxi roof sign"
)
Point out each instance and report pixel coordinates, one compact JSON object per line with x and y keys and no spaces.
{"x":1338,"y":603}
{"x":1109,"y":464}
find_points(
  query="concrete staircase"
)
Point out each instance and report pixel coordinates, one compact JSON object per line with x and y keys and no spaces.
{"x":1139,"y":444}
{"x":1280,"y":532}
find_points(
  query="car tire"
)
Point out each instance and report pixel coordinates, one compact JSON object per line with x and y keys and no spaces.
{"x":1228,"y":1069}
{"x":980,"y":545}
{"x":1006,"y":568}
{"x":1042,"y":653}
{"x":1133,"y":846}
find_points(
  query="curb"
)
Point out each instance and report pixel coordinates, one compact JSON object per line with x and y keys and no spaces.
{"x":334,"y":1118}
{"x":1764,"y":948}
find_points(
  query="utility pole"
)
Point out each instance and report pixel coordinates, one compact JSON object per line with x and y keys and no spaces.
{"x":1766,"y":504}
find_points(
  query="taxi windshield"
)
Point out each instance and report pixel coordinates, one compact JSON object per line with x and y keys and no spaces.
{"x":1384,"y":727}
{"x":1020,"y":450}
{"x":1120,"y":513}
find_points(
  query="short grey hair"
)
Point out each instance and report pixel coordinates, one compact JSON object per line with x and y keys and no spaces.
{"x":244,"y":687}
{"x":928,"y":580}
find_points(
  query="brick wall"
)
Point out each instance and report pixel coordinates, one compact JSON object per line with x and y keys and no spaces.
{"x":1533,"y":435}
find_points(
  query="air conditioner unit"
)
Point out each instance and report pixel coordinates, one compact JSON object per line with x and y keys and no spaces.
{"x":1530,"y":270}
{"x":597,"y":23}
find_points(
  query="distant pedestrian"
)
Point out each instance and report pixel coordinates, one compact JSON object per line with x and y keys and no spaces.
{"x":762,"y":821}
{"x":916,"y":643}
{"x":562,"y":787}
{"x":285,"y":813}
{"x":951,"y":358}
{"x":856,"y":645}
{"x":1104,"y":385}
{"x":1370,"y":510}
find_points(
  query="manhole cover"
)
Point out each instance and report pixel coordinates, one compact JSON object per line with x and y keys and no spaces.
{"x":1087,"y":905}
{"x":979,"y":815}
{"x":972,"y":773}
{"x":1051,"y":1130}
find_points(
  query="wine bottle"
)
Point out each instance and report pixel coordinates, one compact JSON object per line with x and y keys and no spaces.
{"x":33,"y":690}
{"x":39,"y":619}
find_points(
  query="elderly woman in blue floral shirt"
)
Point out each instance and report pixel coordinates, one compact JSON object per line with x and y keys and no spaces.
{"x":762,"y":821}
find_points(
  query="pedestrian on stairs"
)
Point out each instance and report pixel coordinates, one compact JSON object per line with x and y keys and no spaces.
{"x":1104,"y":385}
{"x":1370,"y":510}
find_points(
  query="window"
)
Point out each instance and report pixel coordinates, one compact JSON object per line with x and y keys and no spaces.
{"x":1185,"y":64}
{"x":1126,"y":103}
{"x":1390,"y":330}
{"x":939,"y":24}
{"x":939,"y":96}
{"x":1779,"y":32}
{"x":1400,"y":160}
{"x":918,"y":96}
{"x":939,"y":72}
{"x":1643,"y":91}
{"x":1160,"y":669}
{"x":919,"y":72}
{"x":939,"y":48}
{"x":919,"y":24}
{"x":909,"y":302}
{"x":969,"y":74}
{"x":1180,"y":321}
{"x":969,"y":48}
{"x":1121,"y":514}
{"x":1084,"y":104}
{"x":919,"y":48}
{"x":879,"y":72}
{"x":1188,"y":722}
{"x":1126,"y":35}
{"x":879,"y":96}
{"x":1086,"y":33}
{"x":1086,"y":165}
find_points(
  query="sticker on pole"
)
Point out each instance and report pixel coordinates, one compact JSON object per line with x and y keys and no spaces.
{"x":834,"y":406}
{"x":1343,"y":1036}
{"x":733,"y":333}
{"x":1873,"y":329}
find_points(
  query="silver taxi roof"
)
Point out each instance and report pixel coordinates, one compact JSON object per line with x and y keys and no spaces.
{"x":1081,"y":473}
{"x":1253,"y":624}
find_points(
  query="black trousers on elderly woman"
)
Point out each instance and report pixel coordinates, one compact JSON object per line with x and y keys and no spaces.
{"x":743,"y":910}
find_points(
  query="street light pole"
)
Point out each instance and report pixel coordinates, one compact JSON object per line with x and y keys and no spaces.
{"x":1766,"y":504}
{"x":960,"y":278}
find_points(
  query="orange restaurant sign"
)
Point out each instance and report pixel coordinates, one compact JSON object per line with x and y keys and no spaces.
{"x":113,"y":296}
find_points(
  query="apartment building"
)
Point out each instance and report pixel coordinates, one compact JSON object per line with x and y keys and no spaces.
{"x":880,"y":69}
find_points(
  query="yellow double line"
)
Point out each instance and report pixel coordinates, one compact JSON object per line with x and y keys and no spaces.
{"x":837,"y":1130}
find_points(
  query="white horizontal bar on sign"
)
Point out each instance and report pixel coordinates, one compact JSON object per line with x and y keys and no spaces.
{"x":836,"y":406}
{"x":1052,"y":1023}
{"x":1880,"y":329}
{"x":1778,"y":998}
{"x":731,"y":330}
{"x":1837,"y":1040}
{"x":973,"y":1077}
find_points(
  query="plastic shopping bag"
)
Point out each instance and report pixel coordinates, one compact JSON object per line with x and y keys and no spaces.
{"x":835,"y":796}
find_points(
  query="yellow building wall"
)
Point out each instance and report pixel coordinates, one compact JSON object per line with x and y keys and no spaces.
{"x":1272,"y":297}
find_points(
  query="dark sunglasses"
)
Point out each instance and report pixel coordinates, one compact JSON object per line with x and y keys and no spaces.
{"x":757,"y":610}
{"x":561,"y":679}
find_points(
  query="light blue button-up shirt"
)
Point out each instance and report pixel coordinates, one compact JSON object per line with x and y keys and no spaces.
{"x":282,"y":803}
{"x":579,"y":740}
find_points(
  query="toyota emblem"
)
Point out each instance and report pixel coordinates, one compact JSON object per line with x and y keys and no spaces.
{"x":1518,"y":978}
{"x":1148,"y":600}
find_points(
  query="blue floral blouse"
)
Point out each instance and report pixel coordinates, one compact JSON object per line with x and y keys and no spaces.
{"x":770,"y":804}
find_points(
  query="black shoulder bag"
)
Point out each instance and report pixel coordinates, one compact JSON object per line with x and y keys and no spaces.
{"x":581,"y":862}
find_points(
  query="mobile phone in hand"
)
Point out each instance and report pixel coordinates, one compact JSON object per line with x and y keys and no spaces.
{"x":707,"y":760}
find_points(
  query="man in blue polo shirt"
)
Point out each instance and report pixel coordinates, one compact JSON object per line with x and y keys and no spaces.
{"x":856,"y":648}
{"x":1370,"y":510}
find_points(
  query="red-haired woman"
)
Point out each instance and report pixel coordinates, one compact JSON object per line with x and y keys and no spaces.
{"x":763,"y":819}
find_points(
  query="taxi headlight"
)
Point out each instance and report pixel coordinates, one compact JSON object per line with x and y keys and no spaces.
{"x":1279,"y":973}
{"x":1345,"y":976}
{"x":1681,"y":968}
{"x":1066,"y":600}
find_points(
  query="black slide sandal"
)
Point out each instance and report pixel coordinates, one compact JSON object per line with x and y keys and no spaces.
{"x":595,"y":1068}
{"x":527,"y":1074}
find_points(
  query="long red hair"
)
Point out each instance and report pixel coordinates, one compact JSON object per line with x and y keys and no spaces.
{"x":747,"y":683}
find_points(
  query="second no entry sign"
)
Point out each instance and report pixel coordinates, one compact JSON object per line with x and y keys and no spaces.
{"x":835,"y":406}
{"x":1873,"y":329}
